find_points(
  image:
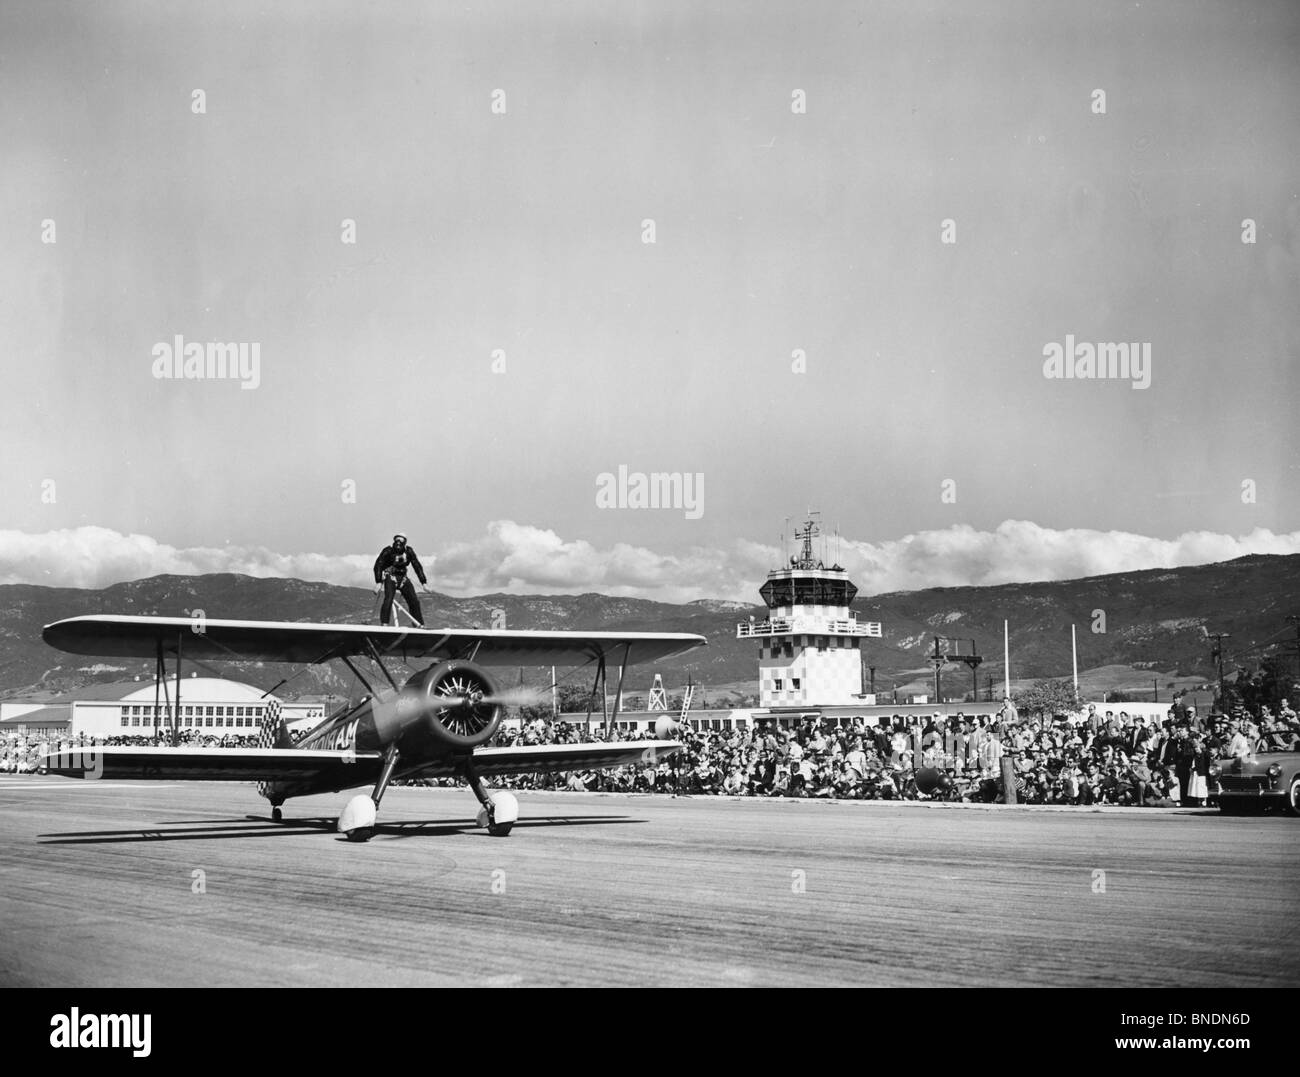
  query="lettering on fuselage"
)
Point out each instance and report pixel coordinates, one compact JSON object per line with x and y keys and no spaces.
{"x":340,"y":739}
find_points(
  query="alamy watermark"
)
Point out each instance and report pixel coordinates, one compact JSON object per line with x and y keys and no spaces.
{"x":77,"y":1029}
{"x":211,"y":361}
{"x":657,"y":490}
{"x":1114,"y":362}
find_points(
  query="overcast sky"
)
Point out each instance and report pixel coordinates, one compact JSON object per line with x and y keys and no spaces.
{"x":500,"y":333}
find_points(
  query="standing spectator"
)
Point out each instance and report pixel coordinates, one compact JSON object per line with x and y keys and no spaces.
{"x":1184,"y":764}
{"x":856,"y":760}
{"x":1200,"y":772}
{"x":1093,"y":719}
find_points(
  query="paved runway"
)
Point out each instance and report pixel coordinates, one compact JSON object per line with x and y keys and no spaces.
{"x":97,"y":884}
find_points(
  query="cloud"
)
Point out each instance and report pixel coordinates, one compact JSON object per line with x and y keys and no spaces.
{"x":1020,"y":551}
{"x":522,"y":559}
{"x":96,"y":557}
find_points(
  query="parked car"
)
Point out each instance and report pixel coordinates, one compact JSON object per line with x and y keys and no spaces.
{"x":1255,"y":783}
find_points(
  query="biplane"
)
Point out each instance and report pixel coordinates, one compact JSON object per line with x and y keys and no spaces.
{"x":436,"y":723}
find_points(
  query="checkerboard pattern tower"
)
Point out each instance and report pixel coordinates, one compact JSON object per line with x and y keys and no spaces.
{"x":810,"y":646}
{"x":272,"y":722}
{"x":273,"y":734}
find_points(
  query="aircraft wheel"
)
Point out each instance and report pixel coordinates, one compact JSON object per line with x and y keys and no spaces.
{"x":501,"y":816}
{"x":357,"y":823}
{"x":277,"y":816}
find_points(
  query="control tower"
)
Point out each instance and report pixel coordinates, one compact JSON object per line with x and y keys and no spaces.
{"x":809,"y":648}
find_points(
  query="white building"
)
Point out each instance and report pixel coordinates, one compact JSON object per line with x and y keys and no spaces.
{"x":810,"y":646}
{"x":211,"y":706}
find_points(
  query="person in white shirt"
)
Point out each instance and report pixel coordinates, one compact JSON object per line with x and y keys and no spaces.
{"x":1239,"y":746}
{"x":991,"y":754}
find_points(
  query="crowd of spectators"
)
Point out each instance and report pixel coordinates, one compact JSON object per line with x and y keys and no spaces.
{"x":20,"y":753}
{"x":1097,"y":757}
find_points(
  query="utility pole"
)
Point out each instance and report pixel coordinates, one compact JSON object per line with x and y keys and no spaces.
{"x":938,"y":660}
{"x":1155,"y":689}
{"x":1216,"y":655}
{"x":1294,"y":619}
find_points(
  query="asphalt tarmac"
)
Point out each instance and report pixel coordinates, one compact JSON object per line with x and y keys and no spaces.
{"x":188,"y":884}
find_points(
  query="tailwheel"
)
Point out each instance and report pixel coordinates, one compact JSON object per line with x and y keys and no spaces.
{"x":277,"y":816}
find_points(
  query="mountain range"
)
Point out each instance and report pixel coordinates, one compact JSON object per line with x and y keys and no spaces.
{"x":1133,"y":628}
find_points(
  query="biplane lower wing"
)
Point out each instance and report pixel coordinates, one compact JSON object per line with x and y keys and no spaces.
{"x":552,"y":758}
{"x":216,"y":764}
{"x":337,"y":769}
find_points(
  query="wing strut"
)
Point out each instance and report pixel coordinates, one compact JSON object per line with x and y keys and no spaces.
{"x":176,"y":725}
{"x":160,"y":681}
{"x":618,"y":692}
{"x":370,"y":646}
{"x":157,"y":681}
{"x":600,"y":680}
{"x":357,"y":673}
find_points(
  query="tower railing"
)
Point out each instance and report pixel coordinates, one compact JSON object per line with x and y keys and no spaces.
{"x":809,"y":626}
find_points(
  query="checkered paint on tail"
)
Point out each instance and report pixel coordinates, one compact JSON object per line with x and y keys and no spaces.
{"x":273,"y":734}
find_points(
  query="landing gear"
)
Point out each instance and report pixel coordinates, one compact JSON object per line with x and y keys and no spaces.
{"x":277,"y":816}
{"x":500,"y":811}
{"x":357,"y":823}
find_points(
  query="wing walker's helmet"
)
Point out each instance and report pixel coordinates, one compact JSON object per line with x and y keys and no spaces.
{"x":399,"y":537}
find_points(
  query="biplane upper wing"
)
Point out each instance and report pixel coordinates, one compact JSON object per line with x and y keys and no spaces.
{"x":209,"y":639}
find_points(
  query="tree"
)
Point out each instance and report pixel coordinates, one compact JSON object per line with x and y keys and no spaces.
{"x":1267,"y":682}
{"x":1047,"y":697}
{"x":574,"y":698}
